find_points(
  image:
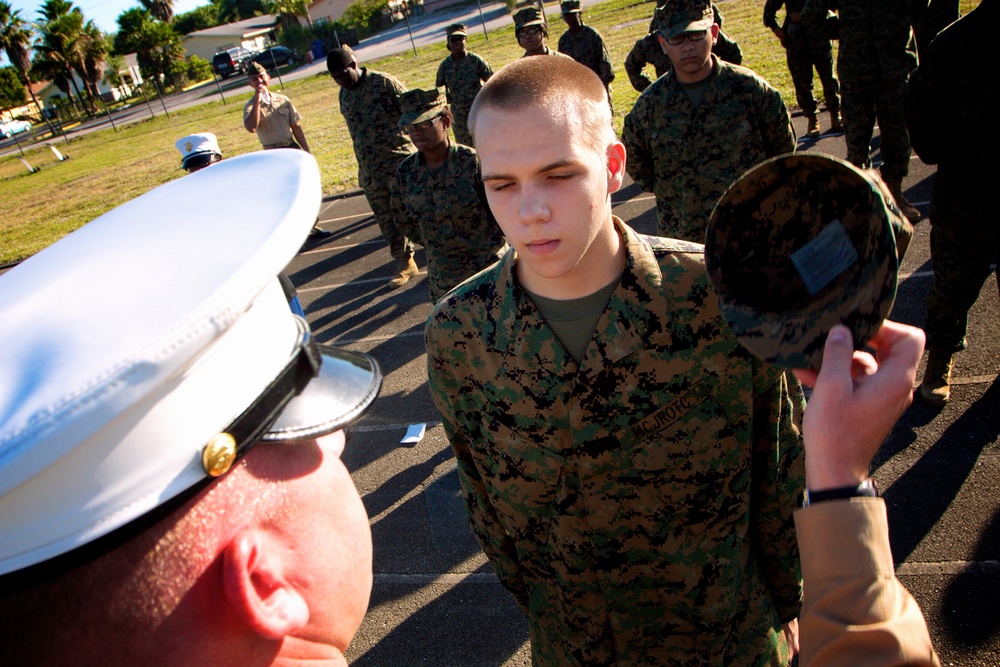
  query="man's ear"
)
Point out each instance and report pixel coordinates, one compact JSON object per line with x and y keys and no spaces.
{"x":257,"y":588}
{"x":616,"y":166}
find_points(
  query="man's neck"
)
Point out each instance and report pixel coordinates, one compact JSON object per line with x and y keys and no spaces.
{"x":458,"y":55}
{"x":603,"y":263}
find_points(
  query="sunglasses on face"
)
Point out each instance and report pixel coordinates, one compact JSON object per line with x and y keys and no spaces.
{"x":420,"y":127}
{"x":695,"y":36}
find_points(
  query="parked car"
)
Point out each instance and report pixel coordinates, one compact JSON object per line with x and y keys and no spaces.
{"x":232,"y":61}
{"x":276,"y":56}
{"x":11,"y":127}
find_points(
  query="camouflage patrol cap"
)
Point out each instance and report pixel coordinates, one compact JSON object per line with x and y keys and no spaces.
{"x":570,"y":7}
{"x":798,"y":244}
{"x":527,"y":17}
{"x":421,"y":105}
{"x":456,"y":29}
{"x":675,"y":17}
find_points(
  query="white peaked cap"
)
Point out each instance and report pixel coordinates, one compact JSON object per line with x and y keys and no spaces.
{"x":138,"y":339}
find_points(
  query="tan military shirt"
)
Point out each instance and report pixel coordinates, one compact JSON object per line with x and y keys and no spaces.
{"x":276,"y":119}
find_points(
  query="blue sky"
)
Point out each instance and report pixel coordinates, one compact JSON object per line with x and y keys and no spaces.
{"x":102,"y":12}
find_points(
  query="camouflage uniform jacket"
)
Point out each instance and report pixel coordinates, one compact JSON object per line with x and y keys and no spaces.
{"x":463,"y":78}
{"x":372,"y":113}
{"x":587,"y":48}
{"x":646,"y":51}
{"x":771,"y":8}
{"x":548,"y":52}
{"x":876,"y":42}
{"x":638,"y":506}
{"x":446,"y":211}
{"x":689,"y":156}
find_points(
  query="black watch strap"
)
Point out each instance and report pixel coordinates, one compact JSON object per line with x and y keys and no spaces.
{"x":867,"y":488}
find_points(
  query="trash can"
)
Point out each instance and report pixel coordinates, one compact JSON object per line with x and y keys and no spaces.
{"x":317,"y":49}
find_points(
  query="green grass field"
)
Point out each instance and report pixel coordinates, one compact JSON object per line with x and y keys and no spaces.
{"x":108,"y":168}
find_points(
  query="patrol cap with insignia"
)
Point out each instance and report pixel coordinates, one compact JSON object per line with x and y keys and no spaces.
{"x":527,"y":17}
{"x":676,"y":17}
{"x":456,"y":30}
{"x":144,"y":353}
{"x":255,"y":68}
{"x":570,"y":7}
{"x":802,"y":242}
{"x":421,"y":105}
{"x":198,"y":150}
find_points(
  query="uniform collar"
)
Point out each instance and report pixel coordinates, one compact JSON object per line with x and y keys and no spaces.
{"x":638,"y":312}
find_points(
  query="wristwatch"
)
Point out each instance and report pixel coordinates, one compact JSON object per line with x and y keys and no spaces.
{"x":866,"y":489}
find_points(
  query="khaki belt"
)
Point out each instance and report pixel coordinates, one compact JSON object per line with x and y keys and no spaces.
{"x":280,"y":144}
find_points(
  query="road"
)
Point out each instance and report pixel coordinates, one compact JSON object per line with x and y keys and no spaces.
{"x":436,"y":601}
{"x":425,"y":29}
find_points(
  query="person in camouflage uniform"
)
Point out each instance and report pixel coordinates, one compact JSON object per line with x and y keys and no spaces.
{"x":438,"y":199}
{"x":369,"y":101}
{"x":951,"y":100}
{"x":628,"y":468}
{"x":877,"y":52}
{"x":462,"y":74}
{"x":647,"y":51}
{"x":698,"y":128}
{"x":532,"y":33}
{"x":803,"y":51}
{"x":584,"y":44}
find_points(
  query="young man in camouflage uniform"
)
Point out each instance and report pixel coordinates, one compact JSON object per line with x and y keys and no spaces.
{"x":697,"y":129}
{"x":438,"y":199}
{"x":876,"y":55}
{"x":532,"y":33}
{"x":951,"y":98}
{"x":629,"y":469}
{"x":803,"y":51}
{"x":648,"y":51}
{"x":369,"y":101}
{"x":462,"y":74}
{"x":584,"y":44}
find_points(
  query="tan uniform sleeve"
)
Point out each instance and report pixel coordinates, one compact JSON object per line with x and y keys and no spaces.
{"x":855,"y":612}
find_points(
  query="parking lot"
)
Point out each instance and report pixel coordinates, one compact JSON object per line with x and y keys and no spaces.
{"x":436,"y":601}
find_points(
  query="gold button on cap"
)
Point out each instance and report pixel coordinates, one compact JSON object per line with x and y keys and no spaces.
{"x":219,"y":454}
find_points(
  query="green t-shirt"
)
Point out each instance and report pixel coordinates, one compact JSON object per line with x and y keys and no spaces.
{"x":574,"y":320}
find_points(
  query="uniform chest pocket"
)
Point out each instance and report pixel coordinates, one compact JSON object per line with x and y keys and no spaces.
{"x":522,"y":477}
{"x":688,"y":452}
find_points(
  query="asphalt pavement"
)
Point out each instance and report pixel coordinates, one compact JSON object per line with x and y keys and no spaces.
{"x":437,"y":602}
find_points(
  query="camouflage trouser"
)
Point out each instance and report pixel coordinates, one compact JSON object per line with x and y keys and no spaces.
{"x":400,"y":247}
{"x":864,"y":102}
{"x":803,"y":52}
{"x":459,"y":125}
{"x":965,"y":241}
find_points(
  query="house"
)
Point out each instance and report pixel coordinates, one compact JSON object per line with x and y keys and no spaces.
{"x":253,"y":34}
{"x":128,"y":76}
{"x":329,"y":10}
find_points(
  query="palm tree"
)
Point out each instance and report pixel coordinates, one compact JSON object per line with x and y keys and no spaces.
{"x":53,"y":9}
{"x":95,"y":53}
{"x":15,"y":36}
{"x":159,"y":9}
{"x":60,"y":47}
{"x":287,"y":10}
{"x":237,"y":10}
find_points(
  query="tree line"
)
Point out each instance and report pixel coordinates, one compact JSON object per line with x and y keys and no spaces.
{"x":60,"y":42}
